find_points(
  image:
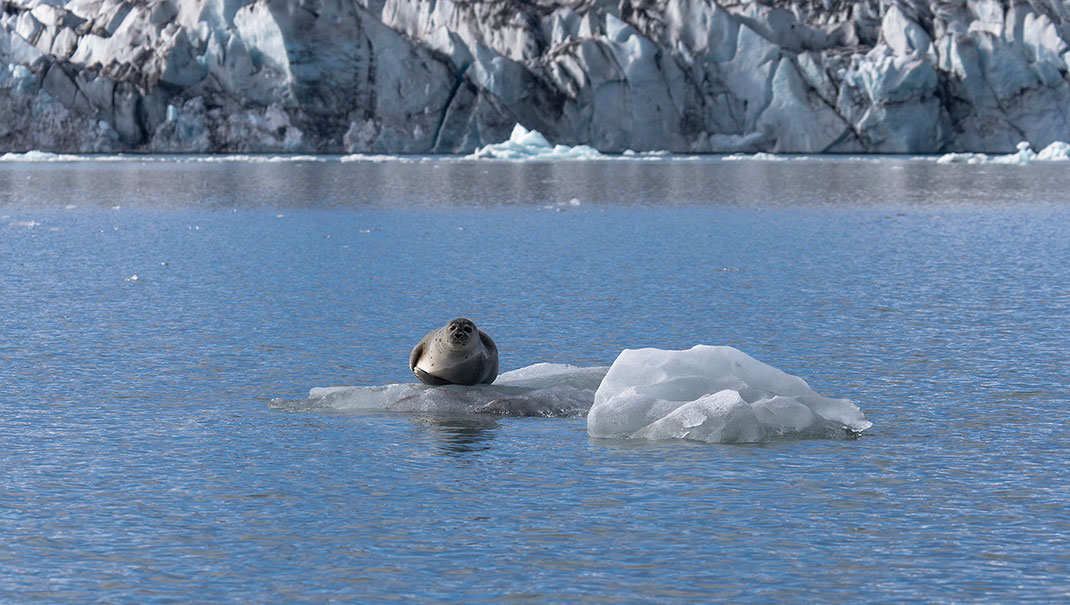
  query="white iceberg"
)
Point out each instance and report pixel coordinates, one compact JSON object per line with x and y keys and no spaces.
{"x":761,"y":155}
{"x":543,"y":389}
{"x":715,"y":395}
{"x":1058,"y":151}
{"x":531,"y":145}
{"x":38,"y":156}
{"x":963,"y":158}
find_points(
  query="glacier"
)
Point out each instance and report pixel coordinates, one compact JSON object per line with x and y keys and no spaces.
{"x":376,"y":77}
{"x":715,"y":394}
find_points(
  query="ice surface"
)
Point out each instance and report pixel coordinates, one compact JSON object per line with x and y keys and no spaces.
{"x":716,"y":395}
{"x":524,"y":144}
{"x":543,"y":389}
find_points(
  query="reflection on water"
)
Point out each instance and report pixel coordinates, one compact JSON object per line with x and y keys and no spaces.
{"x":292,"y":185}
{"x":456,"y":434}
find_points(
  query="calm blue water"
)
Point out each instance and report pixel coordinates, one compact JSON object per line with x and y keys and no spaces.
{"x":141,"y":458}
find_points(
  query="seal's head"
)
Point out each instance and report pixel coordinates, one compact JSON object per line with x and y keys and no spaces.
{"x":460,"y":332}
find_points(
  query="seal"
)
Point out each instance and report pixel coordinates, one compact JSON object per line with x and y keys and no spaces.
{"x":458,"y":353}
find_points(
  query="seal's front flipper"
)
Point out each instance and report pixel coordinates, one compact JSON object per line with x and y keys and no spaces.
{"x":414,"y":357}
{"x":429,"y":379}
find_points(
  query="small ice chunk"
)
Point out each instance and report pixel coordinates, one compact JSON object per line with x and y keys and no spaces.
{"x":1058,"y":151}
{"x":531,"y":145}
{"x":30,"y":156}
{"x":1024,"y":155}
{"x":133,"y":277}
{"x":30,"y":224}
{"x":716,"y":395}
{"x":962,"y":158}
{"x":761,"y":156}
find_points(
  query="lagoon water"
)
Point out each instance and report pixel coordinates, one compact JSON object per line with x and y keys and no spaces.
{"x":149,"y":450}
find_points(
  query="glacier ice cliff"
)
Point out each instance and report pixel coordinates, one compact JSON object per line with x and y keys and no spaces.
{"x":453,"y":76}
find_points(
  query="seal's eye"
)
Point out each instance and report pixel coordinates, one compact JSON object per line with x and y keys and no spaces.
{"x":468,"y":329}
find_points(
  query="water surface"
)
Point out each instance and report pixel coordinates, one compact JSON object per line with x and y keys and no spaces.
{"x":141,"y":458}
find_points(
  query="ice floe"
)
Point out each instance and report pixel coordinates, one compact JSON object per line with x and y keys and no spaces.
{"x":706,"y":393}
{"x":1058,"y":151}
{"x":543,"y":389}
{"x":716,"y":395}
{"x":45,"y":156}
{"x":36,"y":156}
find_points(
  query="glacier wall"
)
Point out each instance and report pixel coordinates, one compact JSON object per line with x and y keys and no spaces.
{"x":450,"y":76}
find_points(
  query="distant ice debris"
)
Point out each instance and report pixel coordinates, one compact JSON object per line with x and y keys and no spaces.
{"x":761,"y":155}
{"x":715,"y":395}
{"x":531,"y":145}
{"x":47,"y":156}
{"x":543,"y":389}
{"x":36,"y":156}
{"x":377,"y":158}
{"x":1056,"y":152}
{"x":30,"y":224}
{"x":254,"y":159}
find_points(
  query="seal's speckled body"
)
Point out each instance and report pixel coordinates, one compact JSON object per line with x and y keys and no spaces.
{"x":458,"y":353}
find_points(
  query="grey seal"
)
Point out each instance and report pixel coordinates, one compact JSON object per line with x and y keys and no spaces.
{"x":458,"y":353}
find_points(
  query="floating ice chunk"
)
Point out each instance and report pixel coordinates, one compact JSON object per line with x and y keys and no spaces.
{"x":30,"y":156}
{"x":375,"y":158}
{"x":1056,"y":152}
{"x":544,"y":389}
{"x":631,"y":153}
{"x":30,"y":224}
{"x":531,"y":145}
{"x":962,"y":158}
{"x":47,"y":156}
{"x":253,"y":159}
{"x":716,"y":395}
{"x":1024,"y":155}
{"x":761,"y":155}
